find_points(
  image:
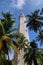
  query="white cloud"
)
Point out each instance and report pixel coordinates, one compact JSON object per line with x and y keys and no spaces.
{"x":18,"y":3}
{"x":37,"y":2}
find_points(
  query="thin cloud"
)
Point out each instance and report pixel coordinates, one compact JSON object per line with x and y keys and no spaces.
{"x":37,"y":2}
{"x":18,"y":3}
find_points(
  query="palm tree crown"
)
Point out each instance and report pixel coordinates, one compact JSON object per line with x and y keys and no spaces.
{"x":6,"y":40}
{"x":34,"y":21}
{"x":33,"y":55}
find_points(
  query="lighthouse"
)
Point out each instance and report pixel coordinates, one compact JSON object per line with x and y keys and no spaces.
{"x":22,"y":26}
{"x":18,"y":58}
{"x":24,"y":30}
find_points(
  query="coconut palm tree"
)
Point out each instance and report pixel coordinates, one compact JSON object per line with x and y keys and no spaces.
{"x":40,"y":36}
{"x":35,"y":21}
{"x":7,"y":21}
{"x":5,"y":37}
{"x":22,"y":41}
{"x":33,"y":55}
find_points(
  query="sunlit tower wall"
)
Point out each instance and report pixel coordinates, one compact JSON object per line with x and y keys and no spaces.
{"x":24,"y":30}
{"x":22,"y":26}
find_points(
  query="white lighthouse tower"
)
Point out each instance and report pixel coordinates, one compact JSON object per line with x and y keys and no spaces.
{"x":22,"y":26}
{"x":18,"y":59}
{"x":24,"y":30}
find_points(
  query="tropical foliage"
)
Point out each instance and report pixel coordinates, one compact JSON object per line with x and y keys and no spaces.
{"x":35,"y":21}
{"x":22,"y":41}
{"x":33,"y":55}
{"x":40,"y":37}
{"x":6,"y":36}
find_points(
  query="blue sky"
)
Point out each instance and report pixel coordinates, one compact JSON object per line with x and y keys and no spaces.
{"x":18,"y":6}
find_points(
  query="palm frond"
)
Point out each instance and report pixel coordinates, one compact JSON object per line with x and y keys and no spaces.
{"x":10,"y":42}
{"x":2,"y":27}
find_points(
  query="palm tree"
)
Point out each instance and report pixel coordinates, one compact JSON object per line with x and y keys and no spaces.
{"x":40,"y":36}
{"x":7,"y":21}
{"x":5,"y":37}
{"x":33,"y":55}
{"x":35,"y":21}
{"x":22,"y":41}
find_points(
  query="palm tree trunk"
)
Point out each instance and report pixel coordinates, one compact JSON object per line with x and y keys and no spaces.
{"x":35,"y":62}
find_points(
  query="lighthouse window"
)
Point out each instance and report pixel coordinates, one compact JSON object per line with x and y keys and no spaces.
{"x":25,"y":22}
{"x":26,"y":30}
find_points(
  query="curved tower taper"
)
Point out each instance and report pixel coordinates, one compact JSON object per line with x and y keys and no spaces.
{"x":22,"y":26}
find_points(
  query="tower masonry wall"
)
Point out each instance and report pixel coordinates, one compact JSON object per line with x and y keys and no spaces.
{"x":24,"y":30}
